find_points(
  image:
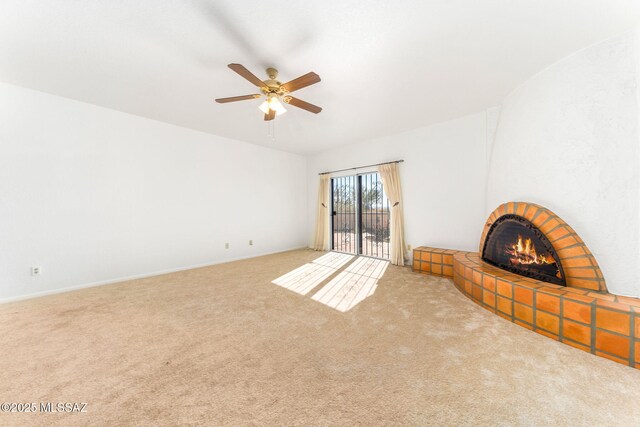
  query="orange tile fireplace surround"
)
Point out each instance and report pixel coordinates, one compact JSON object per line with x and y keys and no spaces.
{"x":582,"y":314}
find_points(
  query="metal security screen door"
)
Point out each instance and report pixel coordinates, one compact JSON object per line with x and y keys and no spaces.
{"x":374,"y":217}
{"x":360,"y":215}
{"x":344,"y":213}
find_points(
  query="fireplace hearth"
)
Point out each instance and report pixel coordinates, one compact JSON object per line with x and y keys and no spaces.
{"x":514,"y":244}
{"x":542,"y":249}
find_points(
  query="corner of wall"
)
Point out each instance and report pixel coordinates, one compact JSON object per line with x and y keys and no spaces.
{"x":493,"y":121}
{"x":636,"y":51}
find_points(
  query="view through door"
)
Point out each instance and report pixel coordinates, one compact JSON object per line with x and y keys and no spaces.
{"x":360,"y":215}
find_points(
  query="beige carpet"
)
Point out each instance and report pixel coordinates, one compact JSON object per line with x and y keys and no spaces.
{"x":223,"y":346}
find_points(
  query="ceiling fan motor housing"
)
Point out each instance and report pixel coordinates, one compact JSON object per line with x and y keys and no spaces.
{"x":272,"y":85}
{"x":272,"y":73}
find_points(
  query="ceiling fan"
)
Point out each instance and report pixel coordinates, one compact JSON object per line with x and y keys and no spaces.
{"x":274,"y":91}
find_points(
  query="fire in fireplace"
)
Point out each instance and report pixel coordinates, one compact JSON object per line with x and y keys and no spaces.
{"x":515,"y":244}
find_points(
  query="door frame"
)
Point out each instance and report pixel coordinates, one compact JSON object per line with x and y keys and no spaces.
{"x":358,"y":215}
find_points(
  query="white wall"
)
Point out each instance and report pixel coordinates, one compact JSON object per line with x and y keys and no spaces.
{"x":94,"y":195}
{"x":443,"y":179}
{"x":568,"y":140}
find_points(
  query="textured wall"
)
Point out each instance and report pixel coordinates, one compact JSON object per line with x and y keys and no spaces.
{"x":567,"y":139}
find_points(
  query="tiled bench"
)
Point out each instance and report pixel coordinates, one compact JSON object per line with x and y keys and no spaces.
{"x":434,"y":261}
{"x":600,"y":323}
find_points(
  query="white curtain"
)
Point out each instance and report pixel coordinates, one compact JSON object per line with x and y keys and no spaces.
{"x":390,"y":176}
{"x":321,"y":241}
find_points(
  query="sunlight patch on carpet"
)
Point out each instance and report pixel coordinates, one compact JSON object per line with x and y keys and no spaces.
{"x":353,"y":285}
{"x":303,"y":279}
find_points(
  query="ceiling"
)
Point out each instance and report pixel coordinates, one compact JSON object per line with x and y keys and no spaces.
{"x":386,"y":66}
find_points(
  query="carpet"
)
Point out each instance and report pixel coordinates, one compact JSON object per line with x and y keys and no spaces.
{"x":222,"y":345}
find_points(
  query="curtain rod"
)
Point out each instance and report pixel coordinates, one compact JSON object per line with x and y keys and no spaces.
{"x":361,"y":167}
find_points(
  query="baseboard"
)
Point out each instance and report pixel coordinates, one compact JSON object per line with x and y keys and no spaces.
{"x":134,"y":277}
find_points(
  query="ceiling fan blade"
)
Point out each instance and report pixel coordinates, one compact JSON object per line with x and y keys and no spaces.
{"x":302,"y":104}
{"x":237,"y":98}
{"x":270,"y":115}
{"x":240,"y":69}
{"x":302,"y":81}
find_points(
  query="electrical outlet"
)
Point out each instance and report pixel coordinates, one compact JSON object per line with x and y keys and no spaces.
{"x":226,"y":246}
{"x":250,"y":242}
{"x":408,"y":247}
{"x":35,"y":271}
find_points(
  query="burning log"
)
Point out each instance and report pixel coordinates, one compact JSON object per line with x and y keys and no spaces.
{"x":524,"y":252}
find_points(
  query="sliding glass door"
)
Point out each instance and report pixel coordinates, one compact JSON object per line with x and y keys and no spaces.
{"x":344,"y":224}
{"x":360,"y":215}
{"x":374,"y":217}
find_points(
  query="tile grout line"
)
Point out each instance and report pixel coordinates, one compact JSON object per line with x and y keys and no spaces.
{"x":561,"y":323}
{"x":632,"y":336}
{"x":534,"y":303}
{"x":593,"y":327}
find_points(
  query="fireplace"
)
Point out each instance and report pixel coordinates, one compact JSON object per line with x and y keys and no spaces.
{"x":513,"y":243}
{"x":514,"y":230}
{"x":564,"y":296}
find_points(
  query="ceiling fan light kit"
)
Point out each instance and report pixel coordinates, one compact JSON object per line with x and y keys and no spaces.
{"x":274,"y":92}
{"x":272,"y":103}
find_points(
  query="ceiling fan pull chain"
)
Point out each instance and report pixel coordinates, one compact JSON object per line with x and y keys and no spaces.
{"x":271,"y":130}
